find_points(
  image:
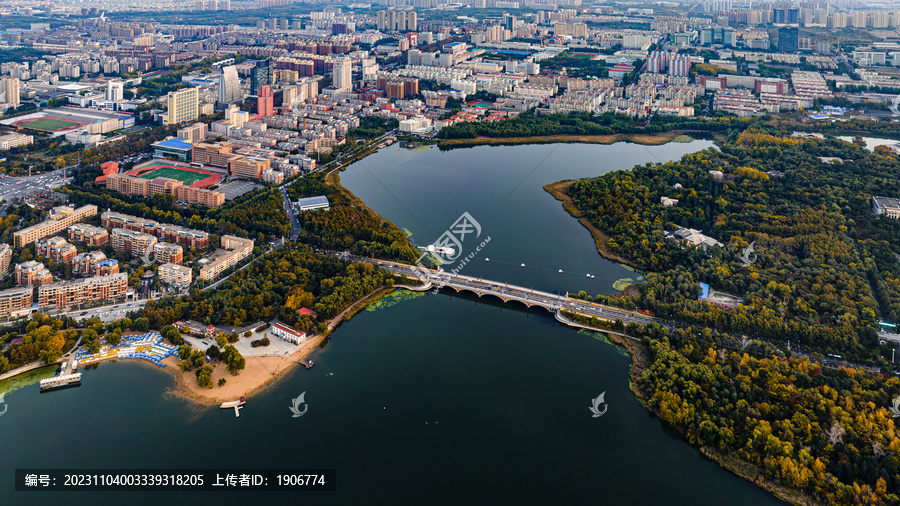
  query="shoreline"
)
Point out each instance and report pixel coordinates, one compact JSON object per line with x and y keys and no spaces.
{"x":261,"y":371}
{"x":640,"y":361}
{"x":647,"y":140}
{"x":558,"y":191}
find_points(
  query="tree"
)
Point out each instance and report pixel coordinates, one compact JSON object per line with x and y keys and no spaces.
{"x":221,"y":382}
{"x":204,"y":376}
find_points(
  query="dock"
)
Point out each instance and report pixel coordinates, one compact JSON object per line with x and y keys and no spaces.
{"x":306,"y":364}
{"x":60,"y":381}
{"x":236,"y":405}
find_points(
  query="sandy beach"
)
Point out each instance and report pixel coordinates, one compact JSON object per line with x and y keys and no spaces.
{"x":258,"y":374}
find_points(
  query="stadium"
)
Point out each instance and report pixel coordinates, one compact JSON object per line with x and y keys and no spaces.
{"x":188,"y":175}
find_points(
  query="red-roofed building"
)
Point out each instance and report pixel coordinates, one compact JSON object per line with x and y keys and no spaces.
{"x":620,"y":70}
{"x":308,"y":312}
{"x":288,"y":333}
{"x":108,"y":168}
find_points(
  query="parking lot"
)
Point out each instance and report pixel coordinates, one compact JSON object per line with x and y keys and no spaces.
{"x":235,"y":189}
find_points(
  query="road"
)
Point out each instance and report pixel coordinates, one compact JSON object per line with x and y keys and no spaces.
{"x":527,"y":296}
{"x":107,"y":314}
{"x":22,"y":186}
{"x":295,"y":223}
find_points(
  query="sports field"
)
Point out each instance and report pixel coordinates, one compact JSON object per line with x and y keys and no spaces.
{"x":189,"y":176}
{"x":185,"y":176}
{"x":48,"y":124}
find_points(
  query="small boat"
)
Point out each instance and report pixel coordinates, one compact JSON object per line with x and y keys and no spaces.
{"x":587,"y":275}
{"x":523,"y":265}
{"x":560,"y":271}
{"x":592,"y":276}
{"x":487,"y":259}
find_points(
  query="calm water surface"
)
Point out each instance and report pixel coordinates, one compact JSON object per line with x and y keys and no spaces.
{"x":430,"y":399}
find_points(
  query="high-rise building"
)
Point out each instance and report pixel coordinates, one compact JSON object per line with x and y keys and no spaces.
{"x":229,"y":85}
{"x":183,"y":106}
{"x":381,"y":21}
{"x":788,"y":40}
{"x":342,"y":74}
{"x":658,"y":61}
{"x":261,"y":74}
{"x":115,"y":90}
{"x":680,"y":66}
{"x":509,"y":22}
{"x":265,"y":102}
{"x":9,"y":89}
{"x":412,"y":21}
{"x":401,"y":21}
{"x":5,"y":259}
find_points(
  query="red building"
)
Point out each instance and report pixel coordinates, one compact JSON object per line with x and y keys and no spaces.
{"x":265,"y":102}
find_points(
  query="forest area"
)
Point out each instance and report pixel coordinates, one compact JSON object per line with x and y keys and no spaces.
{"x":276,"y":287}
{"x":825,"y":272}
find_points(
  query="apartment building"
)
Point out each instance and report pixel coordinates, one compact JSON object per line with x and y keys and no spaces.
{"x":216,"y":155}
{"x":175,"y":275}
{"x":200,"y":196}
{"x":32,"y":273}
{"x":236,"y":249}
{"x":186,"y":237}
{"x":13,"y":140}
{"x":15,"y":300}
{"x":183,"y":106}
{"x":5,"y":259}
{"x":248,"y":167}
{"x":166,"y":252}
{"x":56,"y":248}
{"x":129,"y":185}
{"x":61,"y":217}
{"x":89,"y":234}
{"x":132,"y":241}
{"x":194,"y":133}
{"x":77,"y":292}
{"x":94,"y":263}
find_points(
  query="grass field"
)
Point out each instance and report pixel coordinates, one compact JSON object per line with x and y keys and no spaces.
{"x":185,"y":176}
{"x":583,"y":56}
{"x":48,"y":124}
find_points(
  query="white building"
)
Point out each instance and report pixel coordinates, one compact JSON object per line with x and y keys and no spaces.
{"x":288,"y":333}
{"x":342,"y":75}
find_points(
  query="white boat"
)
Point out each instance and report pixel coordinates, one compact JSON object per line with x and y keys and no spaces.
{"x":523,"y":265}
{"x":560,"y":271}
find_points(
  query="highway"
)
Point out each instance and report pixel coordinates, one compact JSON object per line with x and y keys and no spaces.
{"x":12,"y":187}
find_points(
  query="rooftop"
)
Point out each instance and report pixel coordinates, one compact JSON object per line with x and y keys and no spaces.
{"x":175,"y":143}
